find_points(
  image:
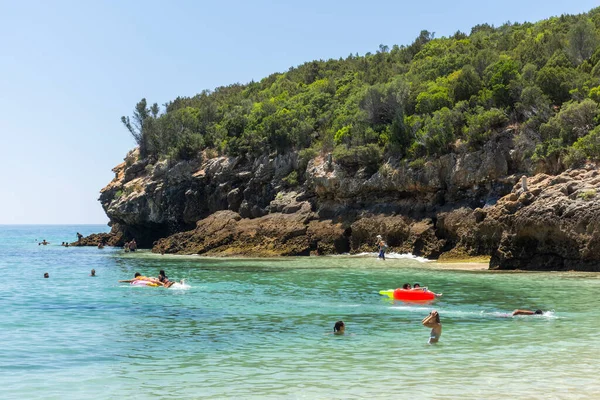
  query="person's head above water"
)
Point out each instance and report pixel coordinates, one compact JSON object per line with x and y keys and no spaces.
{"x":339,"y":328}
{"x":538,"y":312}
{"x":93,"y":273}
{"x":406,"y":286}
{"x":46,"y":275}
{"x":137,"y":274}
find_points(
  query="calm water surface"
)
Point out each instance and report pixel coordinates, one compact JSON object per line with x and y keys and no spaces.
{"x":260,"y":328}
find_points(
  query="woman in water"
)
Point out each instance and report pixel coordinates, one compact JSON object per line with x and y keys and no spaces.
{"x":339,"y":328}
{"x":433,"y":321}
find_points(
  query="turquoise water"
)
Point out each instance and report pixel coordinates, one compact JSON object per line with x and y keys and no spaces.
{"x":260,"y":328}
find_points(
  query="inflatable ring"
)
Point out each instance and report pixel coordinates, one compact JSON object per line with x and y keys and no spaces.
{"x":408,"y":295}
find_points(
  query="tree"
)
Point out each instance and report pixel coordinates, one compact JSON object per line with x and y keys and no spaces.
{"x":466,"y":84}
{"x":582,"y":40}
{"x":137,"y":127}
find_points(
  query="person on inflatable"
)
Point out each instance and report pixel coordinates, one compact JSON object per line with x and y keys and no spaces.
{"x":140,"y":277}
{"x":417,"y":286}
{"x":433,"y":321}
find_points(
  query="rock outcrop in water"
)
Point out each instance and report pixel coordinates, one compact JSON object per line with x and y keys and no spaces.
{"x":460,"y":205}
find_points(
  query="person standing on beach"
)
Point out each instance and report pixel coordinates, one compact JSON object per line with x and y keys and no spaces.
{"x":382,"y":247}
{"x":79,"y":236}
{"x":433,"y":321}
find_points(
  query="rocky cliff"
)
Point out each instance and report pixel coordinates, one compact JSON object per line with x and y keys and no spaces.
{"x":462,"y":204}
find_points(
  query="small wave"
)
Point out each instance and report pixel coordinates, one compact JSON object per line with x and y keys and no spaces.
{"x":395,"y":256}
{"x":180,"y":285}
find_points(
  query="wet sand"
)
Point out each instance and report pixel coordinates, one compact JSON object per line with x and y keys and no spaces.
{"x":464,"y":264}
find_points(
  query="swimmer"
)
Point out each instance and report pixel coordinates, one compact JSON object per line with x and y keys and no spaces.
{"x":46,"y":275}
{"x":433,"y":321}
{"x":339,"y":328}
{"x":44,"y":242}
{"x":164,"y":279}
{"x":527,"y":312}
{"x":100,"y":245}
{"x":93,"y":273}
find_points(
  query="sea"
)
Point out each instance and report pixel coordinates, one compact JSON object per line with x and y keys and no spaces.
{"x":262,"y":328}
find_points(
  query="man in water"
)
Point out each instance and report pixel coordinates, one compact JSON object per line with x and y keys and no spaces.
{"x":46,"y":275}
{"x":132,"y":245}
{"x":433,"y":321}
{"x":93,"y":273}
{"x":527,"y":312}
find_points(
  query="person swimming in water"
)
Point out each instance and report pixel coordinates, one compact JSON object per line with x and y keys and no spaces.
{"x":527,"y":312}
{"x":164,"y":279}
{"x":433,"y":321}
{"x":93,"y":273}
{"x":339,"y":328}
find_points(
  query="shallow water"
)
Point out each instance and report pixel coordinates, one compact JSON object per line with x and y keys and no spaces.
{"x":260,"y":328}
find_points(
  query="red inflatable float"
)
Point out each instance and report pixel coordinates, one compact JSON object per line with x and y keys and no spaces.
{"x":409,"y":295}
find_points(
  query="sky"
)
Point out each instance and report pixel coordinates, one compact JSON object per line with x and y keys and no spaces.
{"x":70,"y":69}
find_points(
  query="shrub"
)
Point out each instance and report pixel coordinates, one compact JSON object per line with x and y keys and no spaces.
{"x":304,"y":157}
{"x":587,"y":194}
{"x":368,"y":156}
{"x":480,"y":125}
{"x":419,"y":163}
{"x":291,"y":179}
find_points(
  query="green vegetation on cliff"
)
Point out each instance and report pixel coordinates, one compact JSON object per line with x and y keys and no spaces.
{"x":426,"y":99}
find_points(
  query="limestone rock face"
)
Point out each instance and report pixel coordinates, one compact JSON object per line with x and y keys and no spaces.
{"x":555,"y":225}
{"x":460,"y":205}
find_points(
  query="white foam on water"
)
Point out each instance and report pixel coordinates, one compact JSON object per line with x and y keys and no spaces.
{"x":395,"y":256}
{"x":180,"y":285}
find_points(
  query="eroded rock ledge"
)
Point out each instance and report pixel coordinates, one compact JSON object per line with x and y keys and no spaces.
{"x":465,"y":204}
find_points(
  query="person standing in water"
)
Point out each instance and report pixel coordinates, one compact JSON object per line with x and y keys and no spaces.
{"x":339,"y":328}
{"x":132,"y":245}
{"x":433,"y":321}
{"x":382,"y":247}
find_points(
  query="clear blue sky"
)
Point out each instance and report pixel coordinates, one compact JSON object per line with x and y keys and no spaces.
{"x":70,"y":69}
